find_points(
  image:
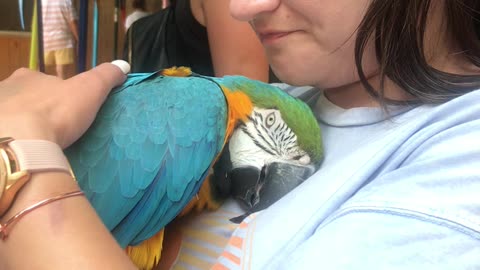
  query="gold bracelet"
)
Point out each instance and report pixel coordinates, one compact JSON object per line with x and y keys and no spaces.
{"x":4,"y":227}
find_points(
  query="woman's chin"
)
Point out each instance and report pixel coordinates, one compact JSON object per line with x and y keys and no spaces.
{"x":293,"y":76}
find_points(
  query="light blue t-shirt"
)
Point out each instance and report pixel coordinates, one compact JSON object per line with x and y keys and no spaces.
{"x":397,"y":193}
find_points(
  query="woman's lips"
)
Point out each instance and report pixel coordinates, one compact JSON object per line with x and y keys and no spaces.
{"x":268,"y":38}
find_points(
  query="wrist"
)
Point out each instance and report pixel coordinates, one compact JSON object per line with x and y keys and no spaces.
{"x":22,"y":127}
{"x":23,"y":164}
{"x":41,"y":186}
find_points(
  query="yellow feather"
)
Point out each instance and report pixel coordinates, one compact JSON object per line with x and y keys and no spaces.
{"x":177,"y":72}
{"x":147,"y":254}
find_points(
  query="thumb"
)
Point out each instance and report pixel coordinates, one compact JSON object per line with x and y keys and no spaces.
{"x":84,"y":95}
{"x":94,"y":85}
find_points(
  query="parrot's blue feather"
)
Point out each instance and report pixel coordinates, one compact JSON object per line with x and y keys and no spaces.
{"x":149,"y":150}
{"x":133,"y":150}
{"x":76,"y":159}
{"x":149,"y":156}
{"x":165,"y":209}
{"x":176,"y":189}
{"x":99,"y":143}
{"x":94,"y":154}
{"x":143,"y":212}
{"x":107,"y":168}
{"x":135,"y":78}
{"x":116,"y":152}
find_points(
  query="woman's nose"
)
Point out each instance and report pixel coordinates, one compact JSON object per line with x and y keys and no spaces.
{"x":246,"y":10}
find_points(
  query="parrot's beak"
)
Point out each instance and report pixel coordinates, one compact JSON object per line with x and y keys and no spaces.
{"x":259,"y":188}
{"x":246,"y":183}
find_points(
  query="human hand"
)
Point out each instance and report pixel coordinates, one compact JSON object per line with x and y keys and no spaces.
{"x":38,"y":106}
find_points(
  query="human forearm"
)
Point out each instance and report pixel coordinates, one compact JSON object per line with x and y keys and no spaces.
{"x":64,"y":234}
{"x":74,"y":29}
{"x":47,"y":237}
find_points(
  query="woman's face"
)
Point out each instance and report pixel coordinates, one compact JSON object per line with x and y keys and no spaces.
{"x":309,"y":42}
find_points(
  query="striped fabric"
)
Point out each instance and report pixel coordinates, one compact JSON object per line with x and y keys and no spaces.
{"x":205,"y":236}
{"x":56,"y":15}
{"x":236,"y":253}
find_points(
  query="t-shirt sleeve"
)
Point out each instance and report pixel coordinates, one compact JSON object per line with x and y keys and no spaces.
{"x":69,"y":11}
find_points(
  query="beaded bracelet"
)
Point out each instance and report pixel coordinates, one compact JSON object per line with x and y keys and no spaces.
{"x":4,"y":227}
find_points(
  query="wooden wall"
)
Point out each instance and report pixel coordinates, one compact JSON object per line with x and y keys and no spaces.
{"x":14,"y":51}
{"x":15,"y":46}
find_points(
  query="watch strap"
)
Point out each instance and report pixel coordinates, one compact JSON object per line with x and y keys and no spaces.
{"x":39,"y":155}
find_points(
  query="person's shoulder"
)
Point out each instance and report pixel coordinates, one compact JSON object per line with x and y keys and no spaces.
{"x":470,"y":98}
{"x":465,"y":108}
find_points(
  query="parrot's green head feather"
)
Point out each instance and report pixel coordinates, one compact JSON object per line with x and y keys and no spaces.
{"x":296,"y":114}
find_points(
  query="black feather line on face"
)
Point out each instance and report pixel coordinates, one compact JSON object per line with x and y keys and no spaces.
{"x":257,"y":143}
{"x":268,"y":144}
{"x":283,"y":138}
{"x":289,"y":148}
{"x":268,"y":132}
{"x":291,"y":137}
{"x":259,"y":115}
{"x":253,"y":120}
{"x":277,"y":128}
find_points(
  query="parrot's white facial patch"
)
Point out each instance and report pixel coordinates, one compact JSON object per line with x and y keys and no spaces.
{"x":265,"y":138}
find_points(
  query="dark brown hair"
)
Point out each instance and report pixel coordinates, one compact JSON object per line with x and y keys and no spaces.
{"x":139,"y":4}
{"x":398,"y":28}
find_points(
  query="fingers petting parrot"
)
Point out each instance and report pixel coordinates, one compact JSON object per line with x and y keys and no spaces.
{"x":151,"y":153}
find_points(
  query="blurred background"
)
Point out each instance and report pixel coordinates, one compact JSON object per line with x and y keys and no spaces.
{"x":15,"y":41}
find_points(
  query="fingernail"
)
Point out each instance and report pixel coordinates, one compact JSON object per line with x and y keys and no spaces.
{"x":123,"y":65}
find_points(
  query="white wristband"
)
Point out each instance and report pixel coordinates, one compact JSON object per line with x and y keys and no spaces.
{"x":39,"y":155}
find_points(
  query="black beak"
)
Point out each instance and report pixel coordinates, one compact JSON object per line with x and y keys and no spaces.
{"x":246,"y":183}
{"x":258,"y":189}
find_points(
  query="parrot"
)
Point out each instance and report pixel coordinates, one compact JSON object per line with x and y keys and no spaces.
{"x":170,"y":142}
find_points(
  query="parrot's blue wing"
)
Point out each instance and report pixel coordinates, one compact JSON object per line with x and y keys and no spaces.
{"x":148,"y":151}
{"x":134,"y":79}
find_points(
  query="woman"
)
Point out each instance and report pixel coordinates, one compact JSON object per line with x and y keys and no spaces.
{"x":397,"y":188}
{"x":400,"y":117}
{"x":201,"y":35}
{"x":214,"y":43}
{"x":139,"y":11}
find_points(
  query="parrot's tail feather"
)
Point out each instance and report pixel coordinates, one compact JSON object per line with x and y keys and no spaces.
{"x":147,"y":254}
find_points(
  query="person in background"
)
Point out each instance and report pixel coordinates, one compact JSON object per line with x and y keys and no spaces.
{"x":60,"y":36}
{"x":139,"y":11}
{"x":199,"y":34}
{"x":221,"y":44}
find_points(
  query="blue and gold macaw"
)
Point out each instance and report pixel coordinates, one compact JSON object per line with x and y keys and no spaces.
{"x":156,"y":138}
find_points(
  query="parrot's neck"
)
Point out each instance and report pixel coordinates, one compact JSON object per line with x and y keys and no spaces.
{"x":239,"y":108}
